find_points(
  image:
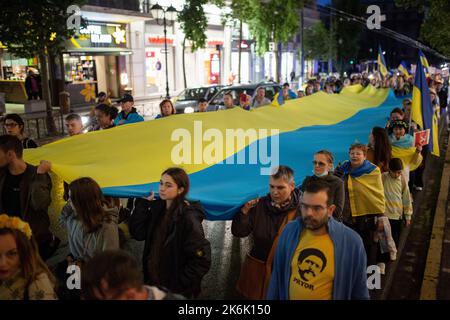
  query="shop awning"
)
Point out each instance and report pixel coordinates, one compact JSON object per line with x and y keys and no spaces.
{"x":99,"y":51}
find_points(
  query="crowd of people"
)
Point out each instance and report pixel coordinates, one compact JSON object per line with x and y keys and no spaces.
{"x":312,"y":240}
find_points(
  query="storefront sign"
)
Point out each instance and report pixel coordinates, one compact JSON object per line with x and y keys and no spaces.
{"x":101,"y":38}
{"x":151,"y":39}
{"x":213,"y":43}
{"x":98,"y":34}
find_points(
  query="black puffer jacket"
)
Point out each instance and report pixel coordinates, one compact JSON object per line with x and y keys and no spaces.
{"x":185,"y":256}
{"x":263,"y":221}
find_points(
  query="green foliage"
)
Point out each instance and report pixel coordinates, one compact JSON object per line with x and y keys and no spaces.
{"x":26,"y":26}
{"x":194,"y":23}
{"x":317,"y":44}
{"x":435,"y":29}
{"x":268,"y":21}
{"x":275,"y":21}
{"x":347,"y":32}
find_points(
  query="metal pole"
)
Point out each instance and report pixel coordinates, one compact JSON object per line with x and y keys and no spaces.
{"x":165,"y":53}
{"x":303,"y":51}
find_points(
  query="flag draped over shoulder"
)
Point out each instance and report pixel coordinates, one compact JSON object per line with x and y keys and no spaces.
{"x":365,"y":189}
{"x":382,"y":63}
{"x":422,"y":111}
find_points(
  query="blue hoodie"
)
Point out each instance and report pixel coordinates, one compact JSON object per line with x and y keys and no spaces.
{"x":350,"y":277}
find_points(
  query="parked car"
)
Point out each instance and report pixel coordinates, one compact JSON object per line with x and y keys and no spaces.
{"x":236,"y":90}
{"x":187,"y":100}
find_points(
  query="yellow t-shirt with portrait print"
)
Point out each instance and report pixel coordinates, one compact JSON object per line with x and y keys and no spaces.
{"x":312,"y":268}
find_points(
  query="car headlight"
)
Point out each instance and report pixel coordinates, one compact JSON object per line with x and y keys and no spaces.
{"x":189,"y":110}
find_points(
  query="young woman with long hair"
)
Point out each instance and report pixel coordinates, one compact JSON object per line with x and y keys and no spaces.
{"x":90,"y":221}
{"x":176,"y":253}
{"x":379,"y":150}
{"x":23,"y":274}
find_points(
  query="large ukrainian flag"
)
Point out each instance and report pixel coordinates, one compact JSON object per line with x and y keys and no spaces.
{"x":127,"y":161}
{"x":422,"y":111}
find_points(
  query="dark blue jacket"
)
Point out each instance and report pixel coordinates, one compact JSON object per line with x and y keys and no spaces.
{"x":350,"y":277}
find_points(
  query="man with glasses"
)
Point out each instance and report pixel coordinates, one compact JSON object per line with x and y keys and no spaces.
{"x":15,"y":126}
{"x":318,"y":258}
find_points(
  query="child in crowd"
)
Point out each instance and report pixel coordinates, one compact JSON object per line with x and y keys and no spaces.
{"x":397,"y":197}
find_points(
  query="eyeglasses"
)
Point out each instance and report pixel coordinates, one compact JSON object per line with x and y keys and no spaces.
{"x":10,"y":125}
{"x":314,"y":208}
{"x":320,"y":164}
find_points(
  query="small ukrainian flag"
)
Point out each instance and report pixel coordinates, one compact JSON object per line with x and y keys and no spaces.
{"x":404,"y":69}
{"x":382,"y":63}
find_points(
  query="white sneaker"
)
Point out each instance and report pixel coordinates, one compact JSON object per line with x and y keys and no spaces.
{"x":382,"y":267}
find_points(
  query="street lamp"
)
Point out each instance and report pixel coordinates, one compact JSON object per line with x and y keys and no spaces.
{"x":167,"y":15}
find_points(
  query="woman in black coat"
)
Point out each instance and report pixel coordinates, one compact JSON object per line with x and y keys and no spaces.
{"x":176,"y":253}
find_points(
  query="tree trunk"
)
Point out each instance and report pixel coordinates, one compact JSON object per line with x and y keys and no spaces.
{"x":277,"y":63}
{"x":240,"y":51}
{"x":51,"y":127}
{"x":184,"y":63}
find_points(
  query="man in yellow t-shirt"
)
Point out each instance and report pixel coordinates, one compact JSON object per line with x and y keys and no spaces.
{"x":317,"y":257}
{"x":312,"y":268}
